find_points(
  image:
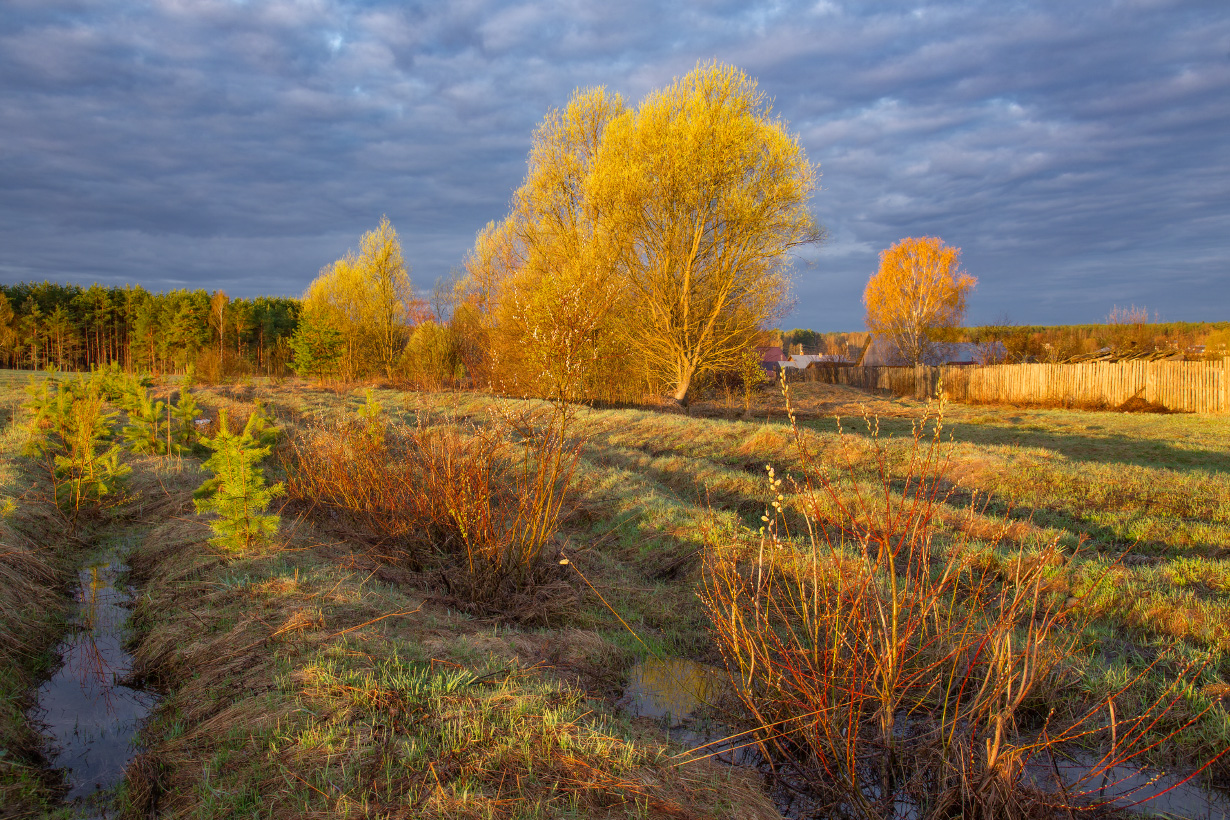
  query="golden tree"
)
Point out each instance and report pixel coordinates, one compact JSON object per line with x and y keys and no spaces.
{"x":485,"y":267}
{"x":542,"y":276}
{"x":703,"y":193}
{"x":393,"y":307}
{"x":648,"y":245}
{"x":918,"y":291}
{"x":556,"y":307}
{"x":335,"y":300}
{"x":217,"y":317}
{"x":368,"y":297}
{"x":488,"y":264}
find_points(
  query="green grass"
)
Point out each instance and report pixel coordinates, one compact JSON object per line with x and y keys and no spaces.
{"x":1149,"y":493}
{"x":1153,"y":487}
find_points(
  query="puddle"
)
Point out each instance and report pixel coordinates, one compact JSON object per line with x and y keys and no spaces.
{"x":89,"y":717}
{"x":1134,"y":789}
{"x":673,"y":688}
{"x":673,"y":691}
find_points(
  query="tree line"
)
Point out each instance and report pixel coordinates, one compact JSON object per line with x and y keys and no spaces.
{"x":646,"y":251}
{"x":1010,"y":343}
{"x":68,"y":327}
{"x":1121,"y":333}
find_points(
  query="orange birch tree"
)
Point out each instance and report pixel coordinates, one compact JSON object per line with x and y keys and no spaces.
{"x":918,"y":290}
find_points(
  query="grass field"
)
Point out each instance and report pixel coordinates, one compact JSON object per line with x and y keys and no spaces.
{"x":322,"y":676}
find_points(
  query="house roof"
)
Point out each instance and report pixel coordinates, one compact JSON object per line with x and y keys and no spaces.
{"x":882,"y":353}
{"x":770,"y":354}
{"x":801,"y":361}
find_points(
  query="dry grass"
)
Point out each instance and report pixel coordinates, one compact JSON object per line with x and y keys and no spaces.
{"x":811,"y":400}
{"x":31,"y":611}
{"x":269,"y":660}
{"x":34,"y":558}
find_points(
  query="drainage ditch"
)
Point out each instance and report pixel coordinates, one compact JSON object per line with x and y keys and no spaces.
{"x":89,"y":714}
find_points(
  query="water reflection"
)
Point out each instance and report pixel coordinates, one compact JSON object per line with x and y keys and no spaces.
{"x":674,"y":687}
{"x":1131,"y":788}
{"x":674,"y":691}
{"x":88,"y":715}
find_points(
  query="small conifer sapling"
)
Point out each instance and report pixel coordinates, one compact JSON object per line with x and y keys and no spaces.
{"x":237,"y":492}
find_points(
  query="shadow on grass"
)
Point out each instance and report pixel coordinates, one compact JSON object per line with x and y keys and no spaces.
{"x":1106,"y":539}
{"x":1100,"y":449}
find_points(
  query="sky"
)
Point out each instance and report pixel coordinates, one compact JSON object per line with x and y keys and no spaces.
{"x":1077,"y":152}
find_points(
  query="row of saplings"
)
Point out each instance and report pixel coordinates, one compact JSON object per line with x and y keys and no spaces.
{"x":882,"y":673}
{"x":73,"y":434}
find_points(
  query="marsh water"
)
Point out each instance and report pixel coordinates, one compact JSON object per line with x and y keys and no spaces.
{"x":89,"y":715}
{"x":1132,"y":788}
{"x":671,"y":689}
{"x":676,"y":691}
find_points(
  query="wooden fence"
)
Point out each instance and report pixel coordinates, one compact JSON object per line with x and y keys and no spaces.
{"x":1199,"y":387}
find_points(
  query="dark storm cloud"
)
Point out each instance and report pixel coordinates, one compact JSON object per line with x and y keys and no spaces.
{"x":1077,"y":152}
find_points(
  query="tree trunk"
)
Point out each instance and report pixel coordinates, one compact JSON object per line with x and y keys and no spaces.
{"x":683,"y":385}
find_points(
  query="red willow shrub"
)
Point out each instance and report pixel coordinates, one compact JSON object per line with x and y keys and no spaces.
{"x":891,"y":671}
{"x":484,"y":501}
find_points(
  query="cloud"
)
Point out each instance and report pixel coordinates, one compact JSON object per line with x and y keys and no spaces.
{"x":1078,"y":154}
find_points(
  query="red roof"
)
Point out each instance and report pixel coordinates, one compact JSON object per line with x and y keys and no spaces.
{"x":770,"y":354}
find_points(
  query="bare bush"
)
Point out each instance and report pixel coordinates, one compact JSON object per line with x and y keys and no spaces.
{"x":487,"y":501}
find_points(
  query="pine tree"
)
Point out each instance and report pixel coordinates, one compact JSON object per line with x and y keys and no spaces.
{"x":317,"y":348}
{"x":184,"y":428}
{"x":260,"y":427}
{"x":70,"y":428}
{"x":48,"y":416}
{"x":237,"y":492}
{"x":146,"y":426}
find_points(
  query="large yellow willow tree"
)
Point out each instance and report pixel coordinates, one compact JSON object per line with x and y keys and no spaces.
{"x":646,"y":246}
{"x":367,"y":296}
{"x":918,"y":291}
{"x":543,"y":273}
{"x":703,"y":193}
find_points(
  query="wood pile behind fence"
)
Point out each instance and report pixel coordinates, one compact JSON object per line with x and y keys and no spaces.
{"x":1197,"y":387}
